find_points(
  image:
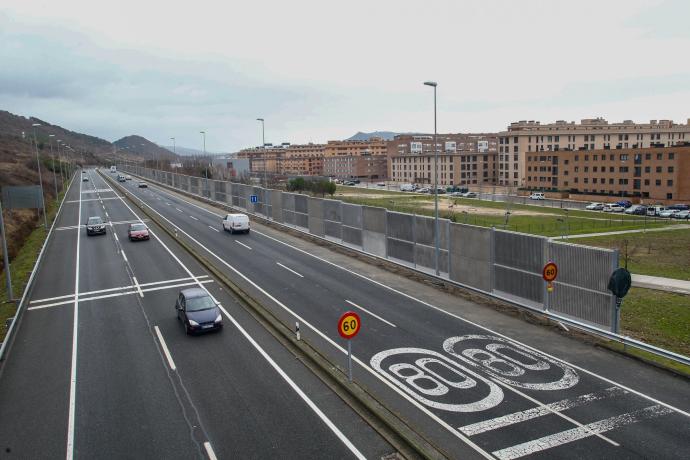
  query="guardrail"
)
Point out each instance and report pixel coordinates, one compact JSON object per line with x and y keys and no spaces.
{"x":512,"y":300}
{"x":22,"y":302}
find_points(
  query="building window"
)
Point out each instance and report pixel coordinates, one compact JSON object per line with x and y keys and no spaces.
{"x":647,"y":156}
{"x":658,"y":169}
{"x":669,"y":183}
{"x":670,"y":169}
{"x":659,"y":156}
{"x":624,"y":157}
{"x":671,"y":156}
{"x":658,"y":182}
{"x":669,"y":196}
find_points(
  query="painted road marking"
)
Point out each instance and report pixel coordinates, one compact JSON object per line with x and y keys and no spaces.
{"x":136,"y":283}
{"x":168,"y":356}
{"x":209,"y":451}
{"x":239,"y":242}
{"x":575,"y":434}
{"x":192,"y":217}
{"x":122,"y":222}
{"x":214,"y":229}
{"x":93,"y":199}
{"x":540,"y":411}
{"x":372,"y":314}
{"x":289,"y":269}
{"x":115,"y":235}
{"x":124,"y":256}
{"x":117,"y":294}
{"x":176,"y":208}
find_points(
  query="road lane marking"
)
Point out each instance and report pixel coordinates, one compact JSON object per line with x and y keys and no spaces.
{"x":372,"y":314}
{"x":176,"y":208}
{"x":540,"y":411}
{"x":75,"y":329}
{"x":93,"y":199}
{"x":325,"y":337}
{"x":117,"y":294}
{"x":124,"y":256}
{"x":121,"y":222}
{"x":48,"y":299}
{"x":214,"y":229}
{"x":209,"y":451}
{"x":239,"y":242}
{"x":193,"y":217}
{"x":168,"y":356}
{"x":169,"y":204}
{"x":136,"y":283}
{"x":575,"y":434}
{"x":115,"y":235}
{"x":289,"y":269}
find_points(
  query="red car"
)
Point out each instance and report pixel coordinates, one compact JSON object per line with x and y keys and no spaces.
{"x":138,"y":232}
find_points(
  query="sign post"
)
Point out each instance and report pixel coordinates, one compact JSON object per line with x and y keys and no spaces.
{"x":349,"y":325}
{"x":253,"y":198}
{"x":619,"y":284}
{"x":549,"y":274}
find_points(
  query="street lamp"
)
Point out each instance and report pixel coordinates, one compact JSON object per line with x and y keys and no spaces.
{"x":263,"y":147}
{"x":40,"y":179}
{"x":433,"y":84}
{"x":50,"y":139}
{"x":203,"y":135}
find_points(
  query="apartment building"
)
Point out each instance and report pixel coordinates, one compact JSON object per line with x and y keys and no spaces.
{"x":268,"y":159}
{"x":525,"y":137}
{"x":364,"y":167}
{"x":304,"y":160}
{"x":464,"y":159}
{"x":373,"y":147}
{"x":654,"y":174}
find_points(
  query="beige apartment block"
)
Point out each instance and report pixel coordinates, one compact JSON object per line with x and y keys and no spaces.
{"x":524,"y":137}
{"x":373,"y":147}
{"x":464,"y":159}
{"x":304,"y":160}
{"x":364,"y":167}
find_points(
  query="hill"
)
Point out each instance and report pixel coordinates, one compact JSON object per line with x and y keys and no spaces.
{"x":142,"y":147}
{"x":385,"y":135}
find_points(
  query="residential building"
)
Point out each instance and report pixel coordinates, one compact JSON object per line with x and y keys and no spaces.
{"x":373,"y":147}
{"x":267,"y":159}
{"x":654,"y":174}
{"x":524,"y":137}
{"x":364,"y":167}
{"x":464,"y":159}
{"x":304,"y":160}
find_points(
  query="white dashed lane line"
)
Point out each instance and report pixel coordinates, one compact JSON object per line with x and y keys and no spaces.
{"x":289,"y":269}
{"x":240,"y":243}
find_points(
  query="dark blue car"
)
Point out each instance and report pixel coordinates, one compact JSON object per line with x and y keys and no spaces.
{"x":197,"y":311}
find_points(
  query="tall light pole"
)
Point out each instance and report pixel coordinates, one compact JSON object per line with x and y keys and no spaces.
{"x":203,"y":135}
{"x":62,"y":174}
{"x":263,"y":148}
{"x":437,"y":238}
{"x":50,"y":139}
{"x":40,"y":179}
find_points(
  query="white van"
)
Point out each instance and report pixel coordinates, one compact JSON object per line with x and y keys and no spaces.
{"x":113,"y":169}
{"x":236,"y":223}
{"x":536,"y":196}
{"x":655,"y":210}
{"x":407,"y":187}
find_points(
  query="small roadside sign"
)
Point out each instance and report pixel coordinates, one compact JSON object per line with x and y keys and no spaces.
{"x":550,"y":272}
{"x":254,"y":198}
{"x":349,"y":325}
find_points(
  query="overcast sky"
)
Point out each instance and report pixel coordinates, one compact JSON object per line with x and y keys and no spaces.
{"x":320,"y":70}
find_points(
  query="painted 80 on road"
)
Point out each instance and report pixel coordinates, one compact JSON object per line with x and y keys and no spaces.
{"x":464,"y":379}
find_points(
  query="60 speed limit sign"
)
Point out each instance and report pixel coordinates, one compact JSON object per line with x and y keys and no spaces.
{"x":349,"y":325}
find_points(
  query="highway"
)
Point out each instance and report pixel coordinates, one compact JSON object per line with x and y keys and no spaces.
{"x":475,"y":382}
{"x":101,"y":368}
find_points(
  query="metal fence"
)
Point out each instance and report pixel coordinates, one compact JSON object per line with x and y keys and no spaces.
{"x":501,"y":263}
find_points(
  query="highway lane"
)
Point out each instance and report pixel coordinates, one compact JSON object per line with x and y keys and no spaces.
{"x":128,"y":402}
{"x":327,"y":288}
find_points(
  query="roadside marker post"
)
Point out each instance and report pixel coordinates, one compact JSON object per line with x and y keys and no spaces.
{"x":349,"y":325}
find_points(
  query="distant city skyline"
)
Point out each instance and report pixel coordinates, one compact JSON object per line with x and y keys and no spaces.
{"x":313,"y":76}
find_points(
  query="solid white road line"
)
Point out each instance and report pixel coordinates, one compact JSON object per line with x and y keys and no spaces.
{"x":372,"y":314}
{"x":176,"y":208}
{"x":575,"y":434}
{"x":115,"y":235}
{"x":168,"y":356}
{"x":292,"y":384}
{"x":124,"y":256}
{"x":192,"y":217}
{"x":239,"y":242}
{"x":209,"y":451}
{"x":325,"y":337}
{"x":214,"y":229}
{"x":540,"y":411}
{"x":136,"y":283}
{"x":92,"y":199}
{"x":73,"y":367}
{"x":289,"y":269}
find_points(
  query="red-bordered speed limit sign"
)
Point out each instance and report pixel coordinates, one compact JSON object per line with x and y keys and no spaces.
{"x":349,"y":325}
{"x":550,"y":272}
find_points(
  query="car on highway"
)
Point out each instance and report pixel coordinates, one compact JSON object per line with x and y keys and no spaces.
{"x":85,"y":178}
{"x":613,"y":207}
{"x":595,"y":206}
{"x":668,"y":213}
{"x":236,"y":223}
{"x":138,"y":232}
{"x":128,"y":177}
{"x":198,"y":311}
{"x":95,"y":225}
{"x":537,"y":196}
{"x":143,"y":184}
{"x":113,"y":169}
{"x":121,"y":178}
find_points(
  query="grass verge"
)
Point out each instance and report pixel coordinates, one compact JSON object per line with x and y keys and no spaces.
{"x":22,"y":264}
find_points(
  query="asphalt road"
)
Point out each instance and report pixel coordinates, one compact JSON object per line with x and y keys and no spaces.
{"x":110,"y":373}
{"x":475,"y":382}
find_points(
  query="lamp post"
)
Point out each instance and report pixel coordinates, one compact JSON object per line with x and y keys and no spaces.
{"x":203,"y":135}
{"x":40,"y":179}
{"x":263,"y":147}
{"x":50,"y":139}
{"x":433,"y":84}
{"x":62,"y":175}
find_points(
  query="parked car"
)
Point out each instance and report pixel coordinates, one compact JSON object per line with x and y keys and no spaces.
{"x":381,"y":184}
{"x":236,"y":223}
{"x":679,"y":207}
{"x":595,"y":206}
{"x":407,"y":187}
{"x":668,"y":213}
{"x":137,"y":232}
{"x":356,"y":181}
{"x":197,"y":311}
{"x":537,"y":196}
{"x":655,"y":210}
{"x":624,"y":203}
{"x":95,"y":225}
{"x":456,"y":194}
{"x":682,"y":215}
{"x":348,"y":182}
{"x":637,"y":209}
{"x":143,"y":184}
{"x":469,"y":195}
{"x":613,"y":207}
{"x":423,"y":190}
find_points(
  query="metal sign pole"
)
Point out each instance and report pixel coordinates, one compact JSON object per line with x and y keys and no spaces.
{"x":349,"y":358}
{"x":6,"y":258}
